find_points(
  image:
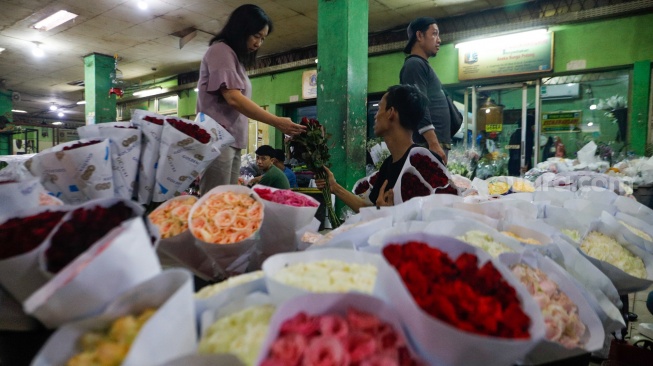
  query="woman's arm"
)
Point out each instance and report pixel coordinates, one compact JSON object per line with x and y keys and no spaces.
{"x":246,"y":106}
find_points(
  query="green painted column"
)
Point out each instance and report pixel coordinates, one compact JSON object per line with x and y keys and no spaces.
{"x":6,"y":104}
{"x":342,"y":84}
{"x":100,"y":106}
{"x":638,"y":125}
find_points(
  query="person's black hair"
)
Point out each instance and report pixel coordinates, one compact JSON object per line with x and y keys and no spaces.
{"x":245,"y":21}
{"x":409,"y":102}
{"x":417,"y":25}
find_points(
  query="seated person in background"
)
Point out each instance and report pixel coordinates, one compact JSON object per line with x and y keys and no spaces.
{"x":278,"y":160}
{"x":401,"y":107}
{"x":272,"y":176}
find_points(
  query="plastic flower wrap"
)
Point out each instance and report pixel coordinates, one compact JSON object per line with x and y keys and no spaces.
{"x":563,"y":324}
{"x":378,"y":151}
{"x":636,"y":231}
{"x":241,"y":333}
{"x":17,"y":195}
{"x":522,"y":239}
{"x":605,"y":248}
{"x":363,"y":187}
{"x":422,"y":175}
{"x":172,"y":217}
{"x":329,"y":276}
{"x":230,"y":282}
{"x":286,"y":197}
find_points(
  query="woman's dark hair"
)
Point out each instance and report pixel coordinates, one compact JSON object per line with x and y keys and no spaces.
{"x":245,"y":21}
{"x":409,"y":102}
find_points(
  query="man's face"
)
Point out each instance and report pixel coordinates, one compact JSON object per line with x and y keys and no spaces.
{"x":430,"y":40}
{"x":263,"y":162}
{"x":381,"y":118}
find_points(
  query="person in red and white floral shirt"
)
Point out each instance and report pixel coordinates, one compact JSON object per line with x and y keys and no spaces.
{"x":401,"y":107}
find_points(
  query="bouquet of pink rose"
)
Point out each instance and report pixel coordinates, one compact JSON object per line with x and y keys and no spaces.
{"x":285,"y":197}
{"x":336,"y":329}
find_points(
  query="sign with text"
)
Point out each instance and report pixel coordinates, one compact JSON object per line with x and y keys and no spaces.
{"x":309,"y":84}
{"x":561,"y":121}
{"x":513,"y":54}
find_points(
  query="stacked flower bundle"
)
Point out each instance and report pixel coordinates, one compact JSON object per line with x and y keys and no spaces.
{"x":226,"y":218}
{"x":172,"y":217}
{"x":423,"y":175}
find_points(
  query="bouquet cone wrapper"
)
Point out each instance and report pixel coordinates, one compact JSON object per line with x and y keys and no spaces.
{"x":406,"y":211}
{"x":253,"y":283}
{"x":232,"y":258}
{"x":457,"y":228}
{"x":333,"y":304}
{"x":624,"y":282}
{"x":556,"y":197}
{"x":647,"y":229}
{"x":356,"y":234}
{"x":549,"y":351}
{"x":376,"y":239}
{"x":281,"y":292}
{"x":449,"y":213}
{"x":452,"y":346}
{"x":147,"y":164}
{"x":281,"y":224}
{"x":15,"y":169}
{"x":78,"y":175}
{"x":120,"y":260}
{"x":125,"y":144}
{"x":633,"y":208}
{"x":182,"y":158}
{"x":169,"y":334}
{"x":21,"y":275}
{"x":19,"y":195}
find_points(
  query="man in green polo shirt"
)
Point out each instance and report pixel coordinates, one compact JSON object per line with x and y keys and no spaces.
{"x":272,"y":176}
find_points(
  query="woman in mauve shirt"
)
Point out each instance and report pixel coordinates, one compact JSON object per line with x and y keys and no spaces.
{"x":224,"y":90}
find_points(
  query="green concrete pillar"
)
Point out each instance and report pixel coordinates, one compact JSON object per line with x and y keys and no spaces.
{"x":6,"y":104}
{"x":638,"y":126}
{"x":342,"y":84}
{"x":100,"y":106}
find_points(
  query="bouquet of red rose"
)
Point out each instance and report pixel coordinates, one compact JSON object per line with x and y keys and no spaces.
{"x":363,"y":187}
{"x":422,"y":175}
{"x":75,"y":171}
{"x":21,"y":238}
{"x":312,"y":148}
{"x":151,"y":125}
{"x":454,"y":298}
{"x":337,"y":329}
{"x":99,"y":250}
{"x":187,"y":148}
{"x":125,"y":145}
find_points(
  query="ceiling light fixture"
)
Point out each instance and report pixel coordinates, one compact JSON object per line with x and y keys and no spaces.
{"x":60,"y":114}
{"x":590,"y":124}
{"x":81,"y":102}
{"x":593,"y":107}
{"x":57,"y":123}
{"x":53,"y":107}
{"x":37,"y":50}
{"x":142,"y":5}
{"x":1,"y":49}
{"x":149,"y":92}
{"x":54,"y":20}
{"x":18,"y":111}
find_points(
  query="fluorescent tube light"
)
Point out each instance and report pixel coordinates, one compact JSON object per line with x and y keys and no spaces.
{"x":54,"y":20}
{"x":507,"y":40}
{"x":81,"y":102}
{"x":18,"y":111}
{"x":58,"y":123}
{"x":37,"y":50}
{"x":149,"y":92}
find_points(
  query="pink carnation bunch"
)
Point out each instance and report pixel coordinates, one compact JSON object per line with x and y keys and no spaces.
{"x":358,"y":338}
{"x":285,"y":197}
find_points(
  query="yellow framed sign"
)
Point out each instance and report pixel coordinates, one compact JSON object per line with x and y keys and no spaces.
{"x":568,"y":121}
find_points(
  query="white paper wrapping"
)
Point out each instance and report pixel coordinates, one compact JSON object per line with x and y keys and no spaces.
{"x":587,"y":207}
{"x":556,"y":197}
{"x":597,"y":194}
{"x":356,"y":234}
{"x":446,"y":213}
{"x":366,"y":194}
{"x":376,"y":239}
{"x":563,"y":219}
{"x":494,"y":211}
{"x":633,"y":208}
{"x":222,"y":298}
{"x":406,"y":211}
{"x":147,"y":164}
{"x":169,"y":334}
{"x":637,"y":224}
{"x":548,"y":351}
{"x":125,"y":144}
{"x":121,"y":259}
{"x":20,"y":275}
{"x":624,"y":282}
{"x":228,"y":259}
{"x":443,"y":344}
{"x":321,"y":304}
{"x":19,"y":195}
{"x":281,"y":292}
{"x":15,"y":169}
{"x":77,"y":175}
{"x":409,"y":168}
{"x":280,"y":226}
{"x":182,"y":158}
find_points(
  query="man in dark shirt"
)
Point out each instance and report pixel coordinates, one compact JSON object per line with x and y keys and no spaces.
{"x":434,"y":129}
{"x":401,"y":107}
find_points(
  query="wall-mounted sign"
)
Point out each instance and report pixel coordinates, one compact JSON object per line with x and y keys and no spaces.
{"x":561,"y":121}
{"x":309,"y":84}
{"x":513,"y":54}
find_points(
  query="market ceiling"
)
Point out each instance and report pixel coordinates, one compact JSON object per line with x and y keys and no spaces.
{"x":147,"y":41}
